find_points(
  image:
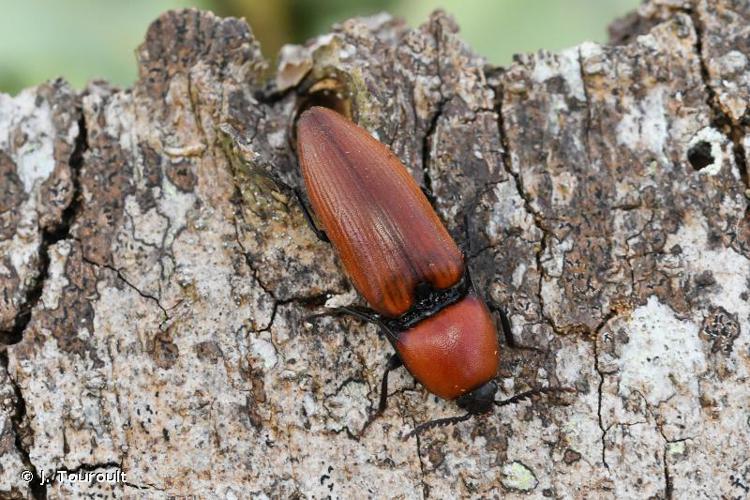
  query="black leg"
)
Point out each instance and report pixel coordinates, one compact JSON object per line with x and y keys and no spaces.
{"x":300,"y":199}
{"x":360,"y":313}
{"x":427,"y":192}
{"x":505,"y":324}
{"x":322,"y":236}
{"x":393,"y":362}
{"x":507,"y":330}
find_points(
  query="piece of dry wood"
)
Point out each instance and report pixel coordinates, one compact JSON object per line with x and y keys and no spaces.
{"x":156,"y":284}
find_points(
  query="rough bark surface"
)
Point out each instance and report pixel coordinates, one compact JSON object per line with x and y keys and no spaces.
{"x":157,"y":283}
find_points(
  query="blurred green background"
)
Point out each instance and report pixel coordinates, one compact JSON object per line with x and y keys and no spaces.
{"x":86,"y":39}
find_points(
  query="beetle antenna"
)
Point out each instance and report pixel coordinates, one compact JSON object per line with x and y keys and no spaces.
{"x":364,"y":316}
{"x":437,"y":423}
{"x":528,"y":394}
{"x":461,"y":418}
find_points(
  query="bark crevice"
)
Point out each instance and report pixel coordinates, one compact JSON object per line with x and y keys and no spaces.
{"x":50,"y":236}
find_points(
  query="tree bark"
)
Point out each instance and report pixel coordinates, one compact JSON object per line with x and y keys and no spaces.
{"x":157,"y":282}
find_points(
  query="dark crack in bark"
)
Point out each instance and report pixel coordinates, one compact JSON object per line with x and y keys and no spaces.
{"x":37,"y":488}
{"x":51,"y":236}
{"x":668,"y":486}
{"x":121,"y":277}
{"x":719,"y":119}
{"x":587,"y":123}
{"x":426,"y":150}
{"x":600,"y":395}
{"x":600,"y":388}
{"x":425,"y":486}
{"x":537,"y":217}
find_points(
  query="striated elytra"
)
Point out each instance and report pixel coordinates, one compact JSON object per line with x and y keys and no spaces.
{"x":383,"y":227}
{"x":402,"y":260}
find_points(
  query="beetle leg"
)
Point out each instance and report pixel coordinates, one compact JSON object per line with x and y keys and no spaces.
{"x":305,"y":211}
{"x":465,"y":243}
{"x":322,"y":236}
{"x":427,"y":192}
{"x":360,"y":313}
{"x":393,"y":362}
{"x":504,"y":324}
{"x":368,"y":316}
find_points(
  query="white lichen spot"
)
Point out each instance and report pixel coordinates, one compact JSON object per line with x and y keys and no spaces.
{"x":554,"y":259}
{"x":644,"y":128}
{"x":565,"y":64}
{"x":295,"y":61}
{"x":676,"y":448}
{"x":347,"y":52}
{"x":733,"y":61}
{"x":34,"y":157}
{"x":148,"y":226}
{"x":518,"y":477}
{"x":24,"y":246}
{"x":564,"y":185}
{"x":717,"y":140}
{"x":311,"y":407}
{"x":175,"y":205}
{"x":557,"y":109}
{"x":592,"y":58}
{"x":663,"y":356}
{"x":550,"y":293}
{"x":266,"y":352}
{"x":729,"y":268}
{"x":628,"y":130}
{"x":569,"y":368}
{"x":277,"y":139}
{"x":119,"y":118}
{"x":508,"y":212}
{"x":376,"y":21}
{"x":649,"y":41}
{"x":57,"y":281}
{"x":323,"y":41}
{"x":341,"y":299}
{"x":518,"y":273}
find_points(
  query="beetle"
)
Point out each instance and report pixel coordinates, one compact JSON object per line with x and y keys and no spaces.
{"x":403,"y":262}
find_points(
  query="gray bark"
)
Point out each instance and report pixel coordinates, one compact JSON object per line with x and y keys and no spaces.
{"x":157,"y":284}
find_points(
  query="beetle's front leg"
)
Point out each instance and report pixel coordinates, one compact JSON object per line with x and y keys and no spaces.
{"x":393,"y":362}
{"x":322,"y":236}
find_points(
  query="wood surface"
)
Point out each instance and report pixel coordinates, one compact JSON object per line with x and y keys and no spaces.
{"x":157,"y":286}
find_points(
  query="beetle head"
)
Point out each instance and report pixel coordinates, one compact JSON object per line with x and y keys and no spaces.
{"x":480,"y":400}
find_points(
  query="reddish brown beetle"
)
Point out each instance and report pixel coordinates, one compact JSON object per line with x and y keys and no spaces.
{"x":402,"y":260}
